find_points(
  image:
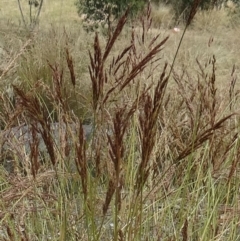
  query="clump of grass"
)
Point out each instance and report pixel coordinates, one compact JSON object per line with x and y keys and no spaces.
{"x":162,"y":160}
{"x":209,"y":20}
{"x":162,"y":16}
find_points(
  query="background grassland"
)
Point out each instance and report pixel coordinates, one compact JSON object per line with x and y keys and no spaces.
{"x":53,"y":11}
{"x":163,"y":159}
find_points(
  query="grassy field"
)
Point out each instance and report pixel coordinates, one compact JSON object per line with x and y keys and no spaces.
{"x":162,"y":162}
{"x":52,"y":11}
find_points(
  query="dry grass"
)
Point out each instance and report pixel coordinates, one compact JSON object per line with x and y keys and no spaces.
{"x":52,"y":12}
{"x":162,"y":16}
{"x":162,"y":162}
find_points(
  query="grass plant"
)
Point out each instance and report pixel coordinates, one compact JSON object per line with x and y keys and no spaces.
{"x":162,"y":160}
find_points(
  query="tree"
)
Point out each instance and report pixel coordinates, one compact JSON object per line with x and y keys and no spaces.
{"x":101,"y":12}
{"x":183,"y":7}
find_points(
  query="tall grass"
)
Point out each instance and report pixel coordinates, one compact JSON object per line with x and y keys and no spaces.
{"x":162,"y":160}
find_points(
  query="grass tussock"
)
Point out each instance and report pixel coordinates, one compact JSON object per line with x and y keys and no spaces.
{"x":127,"y":145}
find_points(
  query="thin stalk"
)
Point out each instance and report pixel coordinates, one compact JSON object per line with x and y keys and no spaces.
{"x":30,"y":14}
{"x":38,"y":13}
{"x":39,"y":9}
{"x":20,"y":9}
{"x":178,"y":48}
{"x":116,"y":214}
{"x":193,"y":11}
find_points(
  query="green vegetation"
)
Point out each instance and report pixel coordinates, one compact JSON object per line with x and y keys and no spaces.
{"x":100,"y":13}
{"x":162,"y":162}
{"x":98,"y":9}
{"x":183,"y":7}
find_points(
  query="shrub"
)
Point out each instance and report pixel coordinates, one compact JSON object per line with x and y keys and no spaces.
{"x":182,"y":8}
{"x":103,"y":12}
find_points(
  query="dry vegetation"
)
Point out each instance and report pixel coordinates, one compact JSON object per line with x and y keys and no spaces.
{"x":162,"y":160}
